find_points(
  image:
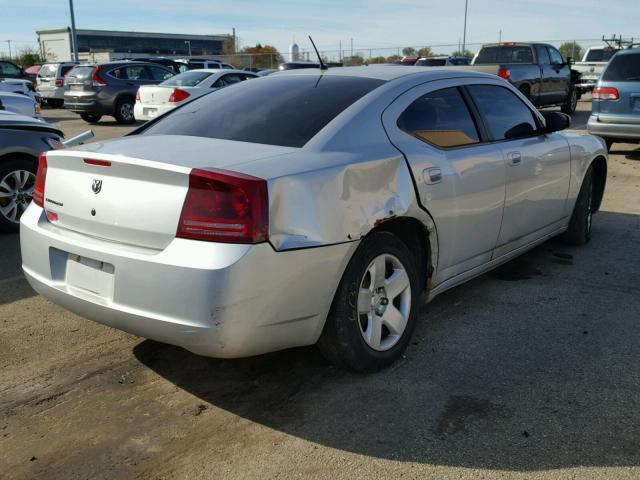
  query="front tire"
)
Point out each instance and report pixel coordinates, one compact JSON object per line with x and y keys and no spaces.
{"x":579,"y":230}
{"x":17,"y":179}
{"x":124,"y":111}
{"x":373,"y":313}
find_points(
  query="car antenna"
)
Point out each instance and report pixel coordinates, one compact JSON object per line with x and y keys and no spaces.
{"x":322,"y":65}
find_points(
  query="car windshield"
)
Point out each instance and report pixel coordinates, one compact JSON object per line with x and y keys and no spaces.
{"x":48,"y":71}
{"x":505,"y":54}
{"x":600,"y":55}
{"x":186,"y":79}
{"x":285,"y":110}
{"x":623,"y":68}
{"x":81,"y":72}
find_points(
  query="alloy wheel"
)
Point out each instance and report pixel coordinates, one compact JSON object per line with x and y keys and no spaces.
{"x":16,"y":192}
{"x":384,"y":302}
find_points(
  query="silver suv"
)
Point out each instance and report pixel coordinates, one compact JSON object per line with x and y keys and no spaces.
{"x":50,"y":82}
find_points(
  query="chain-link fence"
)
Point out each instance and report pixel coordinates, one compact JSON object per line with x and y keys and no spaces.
{"x":358,"y":56}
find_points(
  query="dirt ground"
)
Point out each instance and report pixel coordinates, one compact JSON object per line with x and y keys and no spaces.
{"x":531,"y":371}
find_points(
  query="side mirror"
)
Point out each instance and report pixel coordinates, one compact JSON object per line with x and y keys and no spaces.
{"x":556,"y":121}
{"x":570,"y":61}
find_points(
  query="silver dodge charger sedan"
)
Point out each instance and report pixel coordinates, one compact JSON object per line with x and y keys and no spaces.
{"x":307,"y":207}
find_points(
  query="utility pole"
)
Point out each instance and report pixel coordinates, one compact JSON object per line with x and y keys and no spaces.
{"x":235,"y":45}
{"x":500,"y":36}
{"x":464,"y":31}
{"x":9,"y":43}
{"x":340,"y":54}
{"x":352,"y":48}
{"x":74,"y":37}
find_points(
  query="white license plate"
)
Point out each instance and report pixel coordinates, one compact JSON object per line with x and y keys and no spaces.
{"x":76,"y":88}
{"x":90,"y":275}
{"x":151,"y":112}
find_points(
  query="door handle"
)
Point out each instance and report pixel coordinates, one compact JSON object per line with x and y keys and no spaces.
{"x":432,"y":175}
{"x":514,"y":158}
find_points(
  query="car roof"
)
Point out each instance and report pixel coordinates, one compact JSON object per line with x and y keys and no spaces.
{"x":218,"y":70}
{"x":628,"y":51}
{"x":391,"y":72}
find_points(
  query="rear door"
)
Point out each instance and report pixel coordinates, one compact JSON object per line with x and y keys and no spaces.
{"x":623,"y":74}
{"x":460,"y":179}
{"x":538,"y":167}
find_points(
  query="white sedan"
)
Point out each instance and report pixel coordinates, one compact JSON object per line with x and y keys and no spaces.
{"x":154,"y":100}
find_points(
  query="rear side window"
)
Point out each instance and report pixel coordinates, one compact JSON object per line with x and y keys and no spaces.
{"x":157,"y":73}
{"x":228,"y":79}
{"x":187,"y":79}
{"x":65,"y":70}
{"x":440,"y":118}
{"x":505,"y":54}
{"x":623,"y":68}
{"x":504,"y":114}
{"x":287,"y":110}
{"x":48,"y":71}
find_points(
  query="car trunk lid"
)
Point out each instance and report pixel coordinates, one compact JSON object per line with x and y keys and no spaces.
{"x":131,"y":190}
{"x":156,"y":94}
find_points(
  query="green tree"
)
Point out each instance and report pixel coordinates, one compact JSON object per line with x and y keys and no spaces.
{"x":425,"y":52}
{"x":467,"y":53}
{"x":263,"y":56}
{"x":373,"y":60}
{"x":571,"y":49}
{"x":409,"y":52}
{"x":393,"y":58}
{"x":27,"y":57}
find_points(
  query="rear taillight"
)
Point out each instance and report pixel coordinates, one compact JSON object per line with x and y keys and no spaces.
{"x":223,"y":206}
{"x":41,"y":177}
{"x":178,"y":95}
{"x":504,"y":73}
{"x":138,"y":96}
{"x":605,"y":93}
{"x":59,"y":82}
{"x":96,"y":80}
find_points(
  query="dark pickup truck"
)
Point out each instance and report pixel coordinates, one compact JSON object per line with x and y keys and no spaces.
{"x":538,"y":70}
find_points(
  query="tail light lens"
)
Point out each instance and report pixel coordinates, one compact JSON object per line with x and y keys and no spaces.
{"x":41,"y":177}
{"x":605,"y":93}
{"x":59,"y":82}
{"x":504,"y":73}
{"x":138,"y":96}
{"x":96,"y":80}
{"x":223,"y":206}
{"x":178,"y":95}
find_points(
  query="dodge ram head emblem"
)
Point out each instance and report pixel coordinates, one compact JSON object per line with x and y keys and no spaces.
{"x":97,"y":186}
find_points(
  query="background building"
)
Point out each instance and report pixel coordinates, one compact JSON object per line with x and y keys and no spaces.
{"x":104,"y":45}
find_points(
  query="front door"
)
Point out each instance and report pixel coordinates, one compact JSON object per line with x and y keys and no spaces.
{"x":538,"y":167}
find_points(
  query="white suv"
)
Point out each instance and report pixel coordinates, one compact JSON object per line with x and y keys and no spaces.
{"x":50,"y":82}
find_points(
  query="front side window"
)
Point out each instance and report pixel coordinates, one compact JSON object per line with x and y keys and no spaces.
{"x":543,"y":55}
{"x":286,"y":110}
{"x":504,"y":114}
{"x":556,"y":57}
{"x":440,"y":118}
{"x":9,"y":69}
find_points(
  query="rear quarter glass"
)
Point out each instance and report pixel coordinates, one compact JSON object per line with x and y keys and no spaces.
{"x":623,"y":68}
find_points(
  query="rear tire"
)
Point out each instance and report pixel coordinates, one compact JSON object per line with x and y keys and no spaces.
{"x":579,"y":231}
{"x":570,"y":107}
{"x":124,"y":111}
{"x":17,"y":178}
{"x":90,"y":117}
{"x":373,"y":313}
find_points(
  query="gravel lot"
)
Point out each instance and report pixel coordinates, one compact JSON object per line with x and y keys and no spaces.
{"x":531,"y":371}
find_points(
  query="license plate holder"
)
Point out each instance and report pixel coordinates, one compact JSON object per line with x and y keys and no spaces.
{"x":89,"y":275}
{"x":76,"y":88}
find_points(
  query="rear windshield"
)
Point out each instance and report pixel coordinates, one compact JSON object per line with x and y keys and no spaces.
{"x":505,"y":54}
{"x":186,"y":79}
{"x":431,"y":62}
{"x":623,"y":68}
{"x":48,"y":70}
{"x":600,"y":55}
{"x":279,"y":110}
{"x":81,"y":73}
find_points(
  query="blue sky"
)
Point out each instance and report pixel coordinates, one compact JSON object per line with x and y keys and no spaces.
{"x":371,"y":24}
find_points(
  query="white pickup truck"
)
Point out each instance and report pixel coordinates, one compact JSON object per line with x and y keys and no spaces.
{"x":592,"y":66}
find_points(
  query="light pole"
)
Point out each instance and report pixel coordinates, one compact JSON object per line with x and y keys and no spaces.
{"x":464,"y":31}
{"x":9,"y":43}
{"x":188,"y":42}
{"x":74,"y":37}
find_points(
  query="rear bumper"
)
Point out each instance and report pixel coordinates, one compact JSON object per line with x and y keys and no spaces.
{"x":220,"y":300}
{"x":613,"y":130}
{"x":51,"y":92}
{"x":145,"y":112}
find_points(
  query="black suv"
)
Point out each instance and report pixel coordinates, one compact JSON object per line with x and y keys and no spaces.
{"x":109,"y":88}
